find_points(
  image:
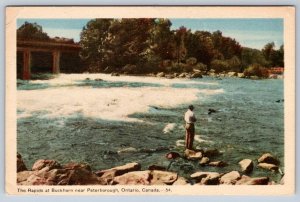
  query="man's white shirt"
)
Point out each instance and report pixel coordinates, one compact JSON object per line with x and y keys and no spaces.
{"x":189,"y":116}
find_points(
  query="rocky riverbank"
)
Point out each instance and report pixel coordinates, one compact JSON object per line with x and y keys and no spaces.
{"x":50,"y":172}
{"x":200,"y":74}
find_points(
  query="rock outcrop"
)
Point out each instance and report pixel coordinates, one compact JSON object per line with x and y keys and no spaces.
{"x":246,"y":165}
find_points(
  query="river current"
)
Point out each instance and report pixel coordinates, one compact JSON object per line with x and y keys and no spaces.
{"x":109,"y":121}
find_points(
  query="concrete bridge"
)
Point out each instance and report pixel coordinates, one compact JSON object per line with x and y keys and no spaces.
{"x":56,"y":48}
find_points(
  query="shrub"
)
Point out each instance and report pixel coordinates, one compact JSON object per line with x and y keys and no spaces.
{"x":200,"y":66}
{"x":219,"y":65}
{"x":256,"y":70}
{"x":191,"y":61}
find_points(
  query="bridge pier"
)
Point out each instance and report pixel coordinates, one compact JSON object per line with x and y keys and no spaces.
{"x":26,"y":65}
{"x":56,"y":62}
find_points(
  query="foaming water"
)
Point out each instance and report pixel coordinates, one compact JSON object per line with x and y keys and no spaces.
{"x":66,"y":97}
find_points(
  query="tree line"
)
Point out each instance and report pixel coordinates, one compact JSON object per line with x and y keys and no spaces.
{"x":147,"y":45}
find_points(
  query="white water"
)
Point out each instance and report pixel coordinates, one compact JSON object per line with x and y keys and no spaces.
{"x":64,"y":98}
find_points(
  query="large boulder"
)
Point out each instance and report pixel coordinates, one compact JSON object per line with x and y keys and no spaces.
{"x":246,"y":180}
{"x":20,"y":163}
{"x":192,"y":155}
{"x":206,"y":178}
{"x":133,"y":178}
{"x":230,"y":178}
{"x":78,"y":174}
{"x":246,"y":165}
{"x":268,"y":158}
{"x":42,"y":163}
{"x":159,"y":177}
{"x":268,"y":166}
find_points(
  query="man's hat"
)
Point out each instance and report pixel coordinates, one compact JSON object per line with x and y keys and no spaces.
{"x":191,"y":107}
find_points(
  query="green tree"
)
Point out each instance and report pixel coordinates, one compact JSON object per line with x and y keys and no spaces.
{"x":94,"y":39}
{"x":31,"y":31}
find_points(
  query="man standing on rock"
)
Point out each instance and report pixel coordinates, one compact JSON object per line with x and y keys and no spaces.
{"x":190,"y":119}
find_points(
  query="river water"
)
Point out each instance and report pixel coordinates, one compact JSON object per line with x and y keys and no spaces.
{"x":109,"y":121}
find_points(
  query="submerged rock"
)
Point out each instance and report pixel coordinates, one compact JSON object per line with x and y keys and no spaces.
{"x":268,"y":158}
{"x":268,"y":166}
{"x":172,"y":155}
{"x":230,"y":178}
{"x":246,"y":165}
{"x":20,"y":163}
{"x":218,"y":164}
{"x":246,"y":180}
{"x":211,"y":152}
{"x":127,"y":150}
{"x":156,"y":167}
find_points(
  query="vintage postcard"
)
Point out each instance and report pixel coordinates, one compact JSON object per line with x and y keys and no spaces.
{"x":150,"y":100}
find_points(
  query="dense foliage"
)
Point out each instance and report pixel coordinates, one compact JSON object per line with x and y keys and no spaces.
{"x":144,"y":45}
{"x":149,"y":45}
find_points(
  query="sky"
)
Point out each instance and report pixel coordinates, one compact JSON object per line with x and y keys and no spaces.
{"x":253,"y":33}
